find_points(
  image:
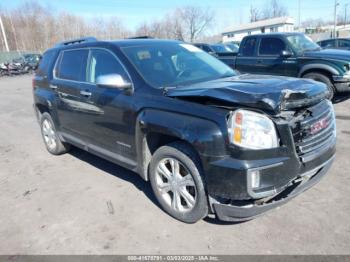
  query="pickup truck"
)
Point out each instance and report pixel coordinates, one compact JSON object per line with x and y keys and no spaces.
{"x":209,"y":140}
{"x":296,"y":55}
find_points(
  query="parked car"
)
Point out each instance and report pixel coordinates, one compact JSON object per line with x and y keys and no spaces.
{"x":237,"y":43}
{"x":339,"y":43}
{"x":209,"y":140}
{"x":32,"y":59}
{"x":220,"y":51}
{"x":234,"y":48}
{"x":296,"y":55}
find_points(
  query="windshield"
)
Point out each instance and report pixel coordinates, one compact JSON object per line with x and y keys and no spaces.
{"x":233,"y":47}
{"x":302,"y":43}
{"x":221,"y":48}
{"x":172,"y":64}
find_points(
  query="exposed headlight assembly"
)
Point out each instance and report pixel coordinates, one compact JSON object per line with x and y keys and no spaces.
{"x":252,"y":130}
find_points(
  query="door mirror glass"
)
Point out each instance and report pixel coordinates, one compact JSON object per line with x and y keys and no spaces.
{"x":286,"y":53}
{"x":113,"y":81}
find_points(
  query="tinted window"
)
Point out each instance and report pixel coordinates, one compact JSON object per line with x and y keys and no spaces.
{"x":102,"y":62}
{"x":45,"y":63}
{"x":328,"y":43}
{"x":271,"y":46}
{"x":248,"y":48}
{"x":72,"y":65}
{"x":206,"y":48}
{"x":344,"y":43}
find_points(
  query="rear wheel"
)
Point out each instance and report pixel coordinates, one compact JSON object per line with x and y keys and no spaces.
{"x":323,"y":79}
{"x":51,"y":139}
{"x":176,"y":179}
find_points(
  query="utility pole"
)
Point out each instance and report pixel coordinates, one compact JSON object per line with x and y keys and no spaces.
{"x":299,"y":16}
{"x":335,"y":19}
{"x":4,"y":34}
{"x":345,"y":15}
{"x":13,"y":31}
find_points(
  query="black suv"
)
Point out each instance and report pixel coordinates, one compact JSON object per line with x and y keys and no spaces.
{"x":209,"y":140}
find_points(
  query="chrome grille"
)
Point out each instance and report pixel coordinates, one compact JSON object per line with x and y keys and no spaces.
{"x":315,"y":132}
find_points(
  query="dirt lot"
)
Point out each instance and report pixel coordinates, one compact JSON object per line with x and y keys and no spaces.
{"x":78,"y":203}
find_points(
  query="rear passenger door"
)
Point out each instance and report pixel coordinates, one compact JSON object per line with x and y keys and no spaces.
{"x":246,"y":61}
{"x":69,"y":73}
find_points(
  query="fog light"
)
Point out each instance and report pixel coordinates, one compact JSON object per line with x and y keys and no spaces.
{"x":254,"y":178}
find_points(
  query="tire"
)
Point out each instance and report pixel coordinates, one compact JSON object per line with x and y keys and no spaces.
{"x":323,"y":79}
{"x":51,"y":139}
{"x":186,"y":186}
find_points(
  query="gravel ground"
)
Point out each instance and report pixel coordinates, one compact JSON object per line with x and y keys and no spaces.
{"x":80,"y":204}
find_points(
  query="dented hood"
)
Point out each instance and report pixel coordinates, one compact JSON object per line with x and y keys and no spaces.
{"x":269,"y":93}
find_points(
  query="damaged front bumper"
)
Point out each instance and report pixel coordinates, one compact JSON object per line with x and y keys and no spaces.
{"x":243,"y":210}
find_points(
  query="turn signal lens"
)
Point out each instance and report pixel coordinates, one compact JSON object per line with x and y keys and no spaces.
{"x":237,"y":136}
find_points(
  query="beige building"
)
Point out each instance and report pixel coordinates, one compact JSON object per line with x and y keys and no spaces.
{"x":279,"y":24}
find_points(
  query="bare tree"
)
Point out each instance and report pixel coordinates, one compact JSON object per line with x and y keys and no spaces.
{"x":274,"y":8}
{"x":195,"y":20}
{"x":33,"y":26}
{"x":254,"y":14}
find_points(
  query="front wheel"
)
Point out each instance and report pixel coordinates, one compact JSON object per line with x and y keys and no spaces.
{"x":323,"y":79}
{"x":177,"y":182}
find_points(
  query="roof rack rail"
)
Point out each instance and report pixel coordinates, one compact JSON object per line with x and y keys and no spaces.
{"x":77,"y":41}
{"x":140,"y":37}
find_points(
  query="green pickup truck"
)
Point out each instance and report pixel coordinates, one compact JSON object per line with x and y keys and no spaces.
{"x":295,"y":55}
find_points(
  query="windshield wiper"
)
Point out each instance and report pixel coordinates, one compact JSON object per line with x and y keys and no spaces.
{"x":167,"y":88}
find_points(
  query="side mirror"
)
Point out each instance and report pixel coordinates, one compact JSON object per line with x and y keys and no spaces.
{"x":286,"y":53}
{"x":113,"y":81}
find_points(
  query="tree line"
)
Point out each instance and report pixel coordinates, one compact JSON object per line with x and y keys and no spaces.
{"x":33,"y":26}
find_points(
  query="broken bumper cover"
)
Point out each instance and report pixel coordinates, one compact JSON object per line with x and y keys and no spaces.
{"x":342,"y":83}
{"x":230,"y":212}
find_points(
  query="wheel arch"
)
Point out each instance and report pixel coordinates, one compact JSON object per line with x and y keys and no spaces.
{"x":329,"y":70}
{"x":152,"y":132}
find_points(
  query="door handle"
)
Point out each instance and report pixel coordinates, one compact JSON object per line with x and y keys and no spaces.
{"x":53,"y":87}
{"x":85,"y":93}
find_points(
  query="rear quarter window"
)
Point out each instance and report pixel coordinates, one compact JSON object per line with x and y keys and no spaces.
{"x":46,"y":63}
{"x":72,"y":65}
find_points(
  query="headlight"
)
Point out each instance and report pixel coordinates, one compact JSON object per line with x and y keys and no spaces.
{"x":252,"y":130}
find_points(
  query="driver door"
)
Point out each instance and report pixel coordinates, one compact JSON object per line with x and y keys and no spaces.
{"x":270,"y":59}
{"x":110,"y":124}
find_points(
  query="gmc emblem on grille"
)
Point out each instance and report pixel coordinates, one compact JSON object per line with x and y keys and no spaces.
{"x":319,"y":125}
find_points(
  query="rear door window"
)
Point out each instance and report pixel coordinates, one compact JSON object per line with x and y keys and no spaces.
{"x":328,"y":43}
{"x":72,"y":65}
{"x":248,"y":47}
{"x":344,"y":43}
{"x":271,"y":46}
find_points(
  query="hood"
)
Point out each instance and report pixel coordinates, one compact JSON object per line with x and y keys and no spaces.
{"x":268,"y":93}
{"x":329,"y":53}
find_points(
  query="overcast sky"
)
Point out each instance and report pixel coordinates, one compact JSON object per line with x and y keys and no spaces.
{"x":229,"y":12}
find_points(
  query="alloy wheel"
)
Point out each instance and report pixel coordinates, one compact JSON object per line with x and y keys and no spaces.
{"x":176,"y":185}
{"x":49,"y":134}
